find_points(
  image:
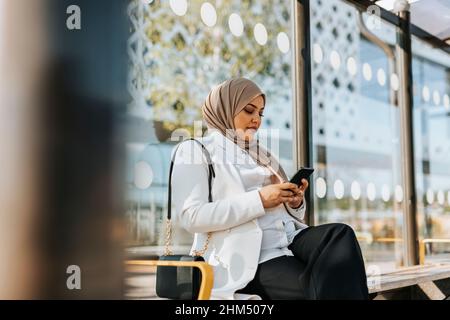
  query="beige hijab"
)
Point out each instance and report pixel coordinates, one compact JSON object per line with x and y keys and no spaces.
{"x":223,"y":103}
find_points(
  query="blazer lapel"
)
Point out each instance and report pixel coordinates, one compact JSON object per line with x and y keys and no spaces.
{"x":227,"y":153}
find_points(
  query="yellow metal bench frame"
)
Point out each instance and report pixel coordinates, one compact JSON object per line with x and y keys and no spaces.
{"x":205,"y":269}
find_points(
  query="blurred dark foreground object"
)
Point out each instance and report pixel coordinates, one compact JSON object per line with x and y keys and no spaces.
{"x":62,"y":230}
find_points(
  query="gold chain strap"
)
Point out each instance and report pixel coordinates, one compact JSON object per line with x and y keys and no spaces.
{"x":168,"y":252}
{"x":205,"y":247}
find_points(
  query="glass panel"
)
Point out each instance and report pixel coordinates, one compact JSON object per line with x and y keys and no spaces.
{"x":431,"y":73}
{"x":355,"y":132}
{"x":178,"y":51}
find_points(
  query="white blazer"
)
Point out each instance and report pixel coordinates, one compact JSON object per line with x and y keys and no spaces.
{"x":235,"y":243}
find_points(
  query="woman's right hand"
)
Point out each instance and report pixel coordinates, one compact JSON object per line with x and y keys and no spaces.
{"x":273,"y":195}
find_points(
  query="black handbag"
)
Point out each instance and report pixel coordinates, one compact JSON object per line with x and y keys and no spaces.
{"x":181,"y":283}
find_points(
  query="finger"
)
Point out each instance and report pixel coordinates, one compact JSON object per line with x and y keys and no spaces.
{"x":305,"y":184}
{"x":286,"y":199}
{"x":294,"y":202}
{"x":287,"y":193}
{"x":289,"y":185}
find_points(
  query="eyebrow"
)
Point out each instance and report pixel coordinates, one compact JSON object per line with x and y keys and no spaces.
{"x":250,"y":104}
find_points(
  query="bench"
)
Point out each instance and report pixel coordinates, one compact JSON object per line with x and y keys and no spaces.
{"x":430,"y":281}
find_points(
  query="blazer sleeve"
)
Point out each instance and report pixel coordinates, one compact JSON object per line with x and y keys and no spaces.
{"x":190,"y":196}
{"x":298,"y":213}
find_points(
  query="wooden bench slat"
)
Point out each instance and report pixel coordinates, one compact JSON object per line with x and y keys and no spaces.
{"x":410,"y":276}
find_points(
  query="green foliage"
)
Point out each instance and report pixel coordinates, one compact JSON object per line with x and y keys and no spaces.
{"x":184,"y":58}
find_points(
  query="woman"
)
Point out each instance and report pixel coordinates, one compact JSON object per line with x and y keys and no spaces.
{"x":257,"y":244}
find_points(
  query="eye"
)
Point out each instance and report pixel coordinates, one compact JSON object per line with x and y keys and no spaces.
{"x":248,"y":110}
{"x":261,"y":115}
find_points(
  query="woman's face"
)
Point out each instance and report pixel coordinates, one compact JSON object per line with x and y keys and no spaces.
{"x":247,"y":121}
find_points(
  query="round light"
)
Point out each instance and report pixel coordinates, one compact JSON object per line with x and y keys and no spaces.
{"x":236,"y":25}
{"x":208,"y":14}
{"x":436,"y":97}
{"x":395,"y":84}
{"x":317,"y":53}
{"x":446,"y":101}
{"x":143,"y":175}
{"x":335,"y":60}
{"x":381,"y":77}
{"x":441,"y":197}
{"x":338,"y":189}
{"x":398,"y":193}
{"x":367,"y":71}
{"x":430,"y":196}
{"x":321,"y":187}
{"x":260,"y":34}
{"x":426,"y":93}
{"x":355,"y":190}
{"x":371,"y":191}
{"x":179,"y":7}
{"x":283,"y":42}
{"x":351,"y":66}
{"x":385,"y":193}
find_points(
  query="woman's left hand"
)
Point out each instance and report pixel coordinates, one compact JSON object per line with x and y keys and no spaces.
{"x":299,"y":195}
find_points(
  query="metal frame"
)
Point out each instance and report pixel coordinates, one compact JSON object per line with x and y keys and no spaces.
{"x":301,"y":86}
{"x":395,"y":20}
{"x":206,"y":270}
{"x":404,"y":68}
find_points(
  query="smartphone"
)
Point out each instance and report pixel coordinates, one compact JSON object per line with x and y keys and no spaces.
{"x":303,"y":173}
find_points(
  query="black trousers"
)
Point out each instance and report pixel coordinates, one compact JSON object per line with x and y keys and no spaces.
{"x":327,"y":264}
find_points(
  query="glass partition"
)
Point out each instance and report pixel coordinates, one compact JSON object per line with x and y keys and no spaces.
{"x":355,"y":130}
{"x":431,"y":78}
{"x":178,"y":51}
